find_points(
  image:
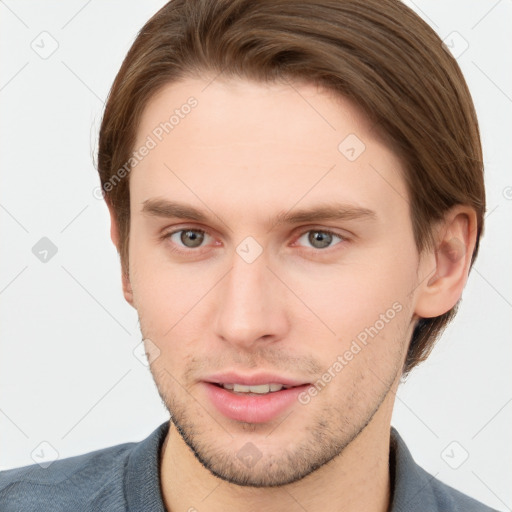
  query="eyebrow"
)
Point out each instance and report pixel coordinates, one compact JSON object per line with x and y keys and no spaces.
{"x":330,"y":211}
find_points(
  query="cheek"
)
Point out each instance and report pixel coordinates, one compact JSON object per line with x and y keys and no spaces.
{"x":356,"y":294}
{"x":372,"y":305}
{"x":366,"y":356}
{"x":368,"y":305}
{"x":377,"y":324}
{"x":164,"y":292}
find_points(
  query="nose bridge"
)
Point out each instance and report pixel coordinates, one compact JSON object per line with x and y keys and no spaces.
{"x":249,"y":306}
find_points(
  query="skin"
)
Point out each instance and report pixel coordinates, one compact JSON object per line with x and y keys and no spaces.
{"x":245,"y":154}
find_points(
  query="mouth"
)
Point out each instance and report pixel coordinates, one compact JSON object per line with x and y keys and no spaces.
{"x":259,"y":389}
{"x":253,"y":402}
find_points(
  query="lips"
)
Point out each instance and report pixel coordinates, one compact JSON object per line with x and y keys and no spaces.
{"x":257,"y":398}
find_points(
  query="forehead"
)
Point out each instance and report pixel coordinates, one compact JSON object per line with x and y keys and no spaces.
{"x":293,"y":116}
{"x":243,"y":144}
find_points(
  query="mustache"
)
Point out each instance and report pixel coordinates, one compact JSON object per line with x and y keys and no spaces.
{"x":275,"y":361}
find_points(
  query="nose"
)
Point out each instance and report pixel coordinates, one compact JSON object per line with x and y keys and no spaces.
{"x":251,"y":307}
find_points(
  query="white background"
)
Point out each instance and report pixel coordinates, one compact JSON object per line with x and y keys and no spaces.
{"x":68,"y":375}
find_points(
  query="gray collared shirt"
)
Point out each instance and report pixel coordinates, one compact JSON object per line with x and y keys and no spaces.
{"x":126,"y":478}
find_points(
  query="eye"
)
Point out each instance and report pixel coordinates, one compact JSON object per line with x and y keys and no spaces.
{"x":320,"y":238}
{"x":188,"y":238}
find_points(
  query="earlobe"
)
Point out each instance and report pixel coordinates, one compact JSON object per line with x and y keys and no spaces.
{"x":449,"y":261}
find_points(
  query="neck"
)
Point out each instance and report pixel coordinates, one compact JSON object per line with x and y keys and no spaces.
{"x":357,"y":479}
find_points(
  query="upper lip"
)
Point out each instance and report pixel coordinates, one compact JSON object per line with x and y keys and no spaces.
{"x":252,"y":380}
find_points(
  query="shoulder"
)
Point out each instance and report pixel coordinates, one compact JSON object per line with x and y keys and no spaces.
{"x":416,"y":489}
{"x":67,"y":484}
{"x":450,"y":499}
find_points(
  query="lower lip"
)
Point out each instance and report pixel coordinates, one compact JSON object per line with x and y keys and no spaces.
{"x":252,"y":408}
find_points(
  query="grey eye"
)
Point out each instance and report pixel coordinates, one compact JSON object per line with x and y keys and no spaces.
{"x":319,"y":239}
{"x":189,"y":238}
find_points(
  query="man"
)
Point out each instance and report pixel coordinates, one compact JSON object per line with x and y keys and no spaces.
{"x":296,"y":194}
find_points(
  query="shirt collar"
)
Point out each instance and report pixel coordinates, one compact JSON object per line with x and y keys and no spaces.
{"x":410,"y":484}
{"x":142,"y":482}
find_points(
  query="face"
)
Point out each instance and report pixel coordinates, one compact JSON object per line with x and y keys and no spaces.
{"x":270,"y":243}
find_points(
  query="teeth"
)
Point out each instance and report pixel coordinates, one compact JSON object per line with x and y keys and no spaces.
{"x":260,"y":389}
{"x":240,"y":388}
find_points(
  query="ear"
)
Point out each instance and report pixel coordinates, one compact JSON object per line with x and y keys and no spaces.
{"x":115,"y":237}
{"x":446,"y":266}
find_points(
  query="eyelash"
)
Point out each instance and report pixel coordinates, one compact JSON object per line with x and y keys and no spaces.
{"x":174,"y":248}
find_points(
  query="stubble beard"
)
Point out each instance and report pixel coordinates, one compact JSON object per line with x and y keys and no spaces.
{"x":329,"y":433}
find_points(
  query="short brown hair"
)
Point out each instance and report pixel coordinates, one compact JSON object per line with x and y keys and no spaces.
{"x":376,"y":53}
